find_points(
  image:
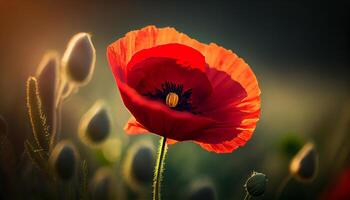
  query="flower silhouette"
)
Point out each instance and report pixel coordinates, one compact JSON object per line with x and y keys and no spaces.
{"x":183,"y":90}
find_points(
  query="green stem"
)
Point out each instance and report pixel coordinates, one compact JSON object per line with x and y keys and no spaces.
{"x":282,"y":186}
{"x":159,"y":168}
{"x":247,"y":196}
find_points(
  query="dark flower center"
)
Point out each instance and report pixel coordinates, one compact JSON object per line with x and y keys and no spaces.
{"x":174,"y":96}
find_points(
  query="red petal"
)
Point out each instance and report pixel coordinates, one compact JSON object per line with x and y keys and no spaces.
{"x":170,"y":141}
{"x":184,"y":55}
{"x":226,"y":105}
{"x":161,"y":120}
{"x":150,"y":74}
{"x":134,"y":127}
{"x":234,"y":103}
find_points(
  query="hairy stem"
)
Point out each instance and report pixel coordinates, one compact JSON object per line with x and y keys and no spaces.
{"x":159,"y":168}
{"x":282,"y":186}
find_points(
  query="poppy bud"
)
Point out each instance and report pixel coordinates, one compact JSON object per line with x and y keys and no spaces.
{"x":304,"y":165}
{"x":256,"y":184}
{"x":95,"y":125}
{"x":47,"y":75}
{"x":202,"y":189}
{"x":139,"y":164}
{"x":103,"y":185}
{"x":63,"y":160}
{"x":78,"y":60}
{"x":36,"y":116}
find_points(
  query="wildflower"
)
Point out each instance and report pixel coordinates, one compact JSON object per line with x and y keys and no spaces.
{"x":304,"y":165}
{"x":103,"y":185}
{"x":138,"y":166}
{"x":79,"y":59}
{"x":202,"y":189}
{"x":36,"y":116}
{"x":47,"y":75}
{"x":338,"y":189}
{"x":63,"y":160}
{"x":95,"y":125}
{"x":181,"y":89}
{"x":256,"y":184}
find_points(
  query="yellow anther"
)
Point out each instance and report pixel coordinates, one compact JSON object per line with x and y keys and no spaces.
{"x":172,"y":99}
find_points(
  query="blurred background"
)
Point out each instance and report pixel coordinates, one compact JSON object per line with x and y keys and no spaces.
{"x":299,"y":51}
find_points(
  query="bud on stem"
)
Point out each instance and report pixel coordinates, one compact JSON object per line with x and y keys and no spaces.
{"x":36,"y":115}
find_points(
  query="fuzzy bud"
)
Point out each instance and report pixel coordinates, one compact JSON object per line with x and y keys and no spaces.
{"x":47,"y":75}
{"x":138,"y":166}
{"x":79,"y":59}
{"x":63,"y":160}
{"x":95,"y":125}
{"x":304,"y":165}
{"x":256,"y":184}
{"x":202,"y":189}
{"x":103,"y":185}
{"x":36,"y":116}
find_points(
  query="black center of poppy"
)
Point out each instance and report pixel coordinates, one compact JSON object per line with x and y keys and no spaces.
{"x":184,"y":102}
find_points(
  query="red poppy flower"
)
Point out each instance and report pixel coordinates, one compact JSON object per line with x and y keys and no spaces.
{"x":339,"y":189}
{"x":184,"y":90}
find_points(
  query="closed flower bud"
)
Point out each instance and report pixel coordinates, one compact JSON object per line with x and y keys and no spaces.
{"x":304,"y":165}
{"x":103,"y":185}
{"x":138,"y":166}
{"x":256,"y":184}
{"x":79,"y":59}
{"x":202,"y":189}
{"x":95,"y":125}
{"x":47,"y":75}
{"x":63,"y":160}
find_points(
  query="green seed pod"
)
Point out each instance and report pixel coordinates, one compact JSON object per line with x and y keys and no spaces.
{"x":36,"y":115}
{"x":256,"y":184}
{"x":304,"y":165}
{"x":138,"y":166}
{"x":95,"y":125}
{"x":103,"y":185}
{"x":47,"y":75}
{"x":202,"y":189}
{"x":63,"y":160}
{"x":78,"y":60}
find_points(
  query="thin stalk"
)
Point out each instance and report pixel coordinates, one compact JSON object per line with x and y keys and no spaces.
{"x":283,"y":185}
{"x":247,"y":196}
{"x":58,"y":109}
{"x":159,"y":168}
{"x":64,"y":91}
